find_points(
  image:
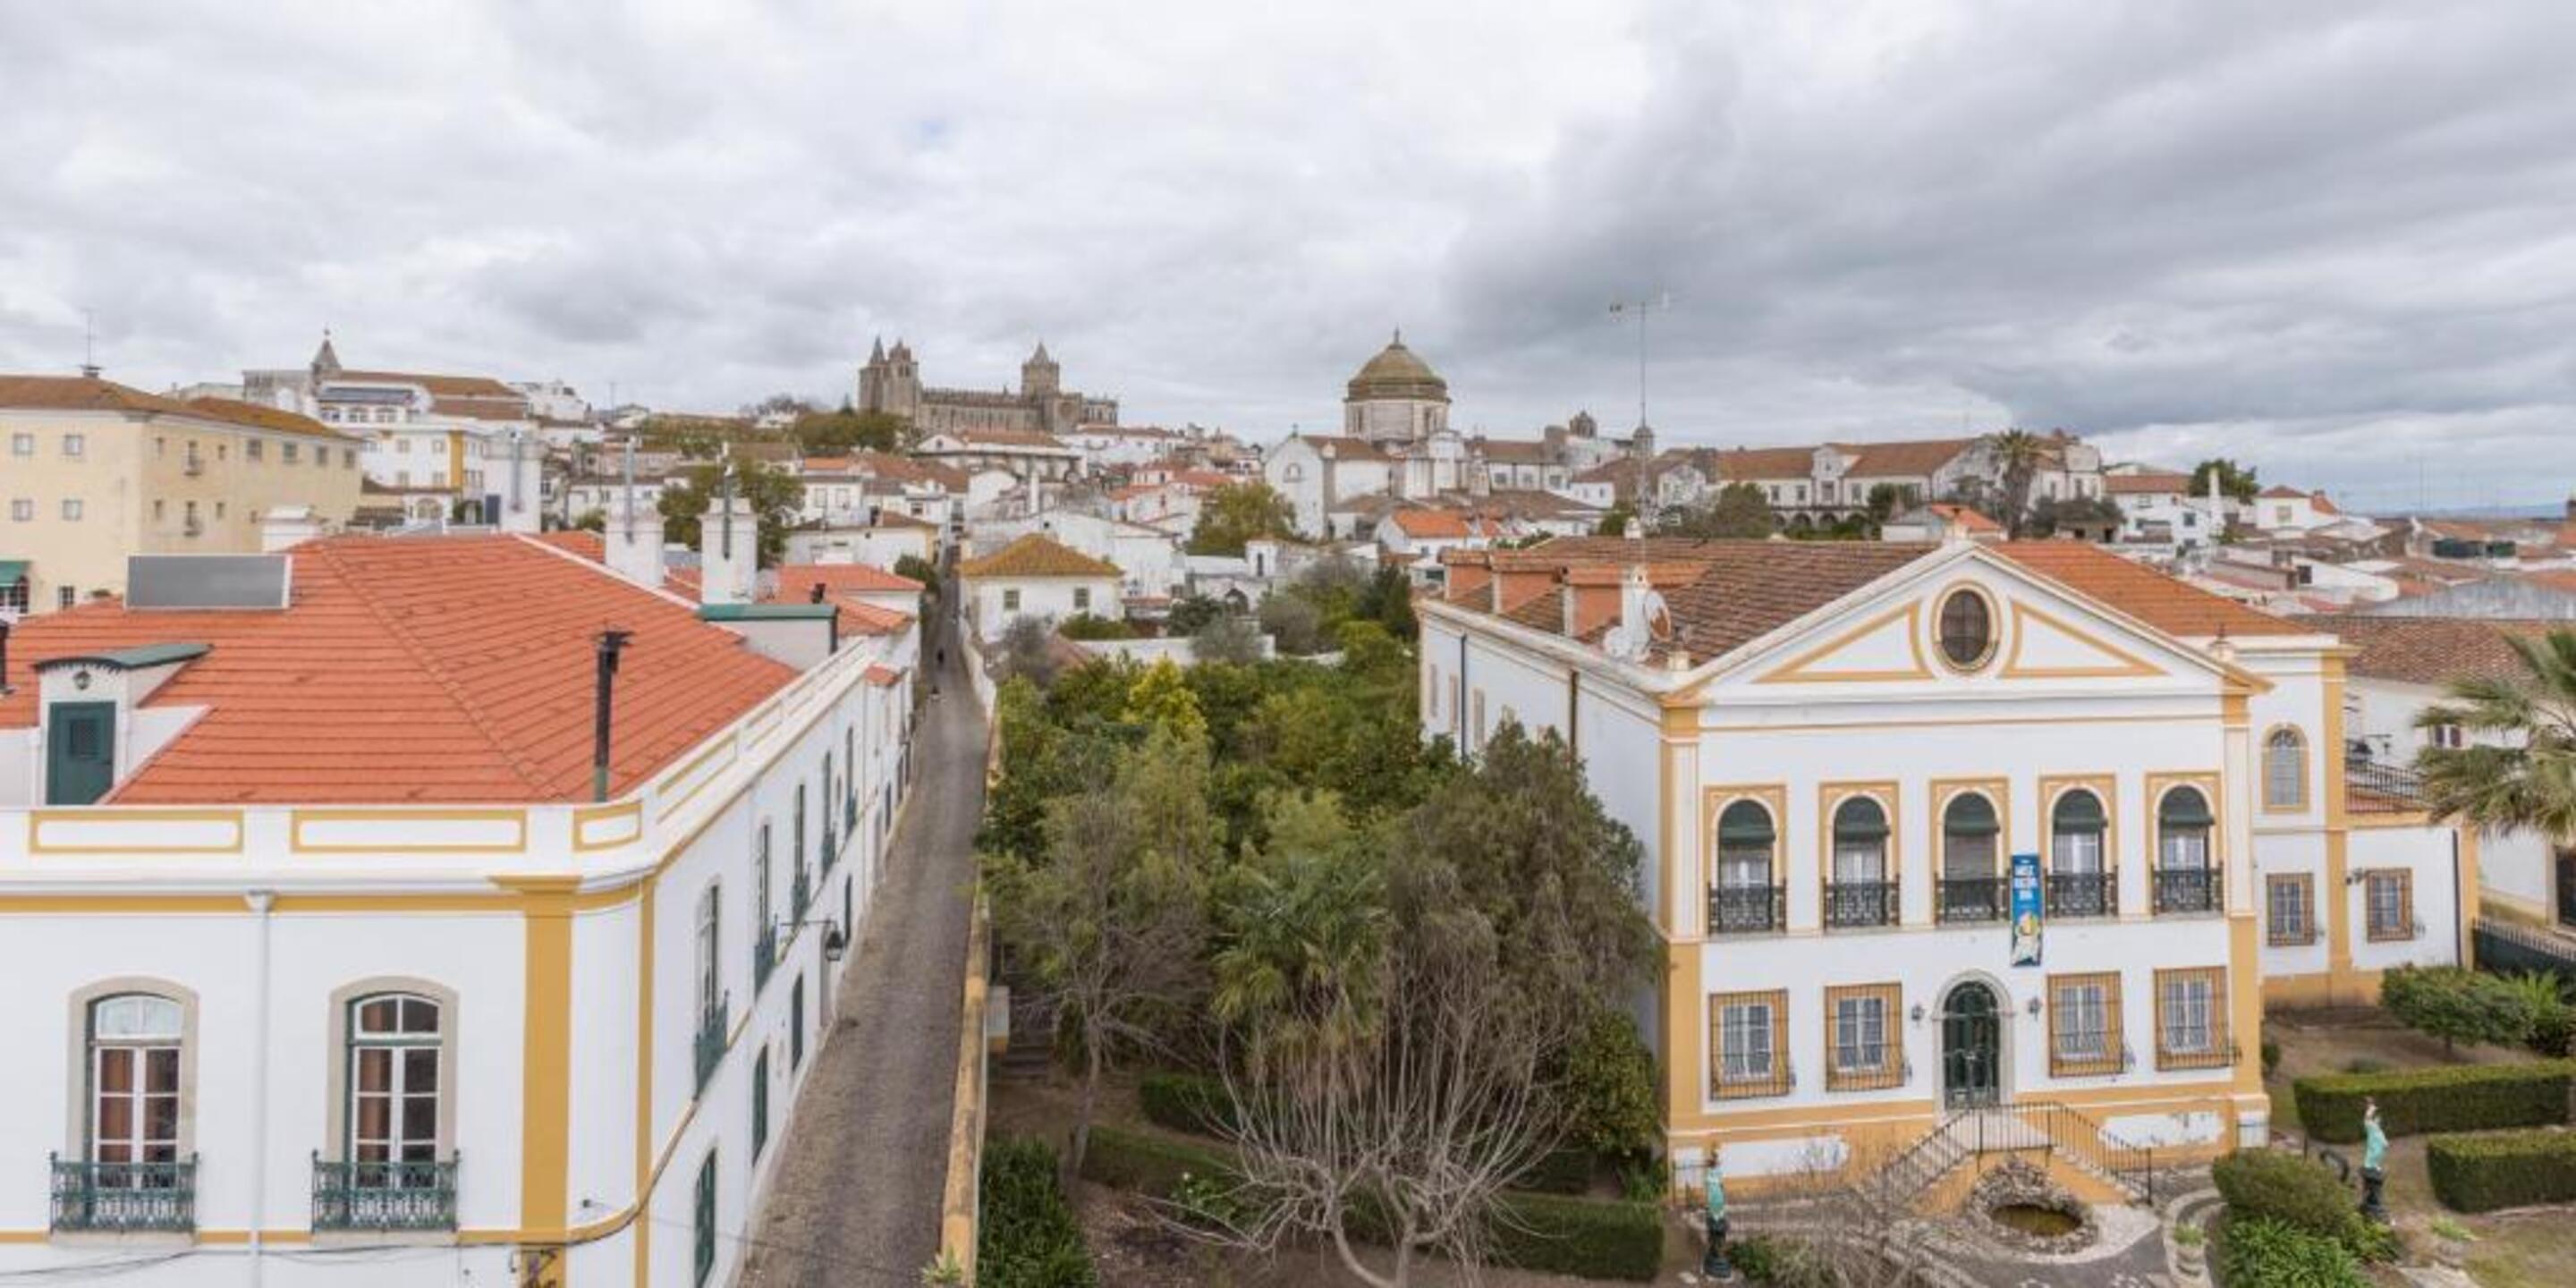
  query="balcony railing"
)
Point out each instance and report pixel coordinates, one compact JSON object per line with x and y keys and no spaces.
{"x":1747,"y":910}
{"x":1885,"y":1070}
{"x":800,"y":893}
{"x":2187,"y":890}
{"x":1852,"y":904}
{"x":1778,"y":1080}
{"x":2083,"y":894}
{"x":2383,"y":789}
{"x":831,"y":851}
{"x":2207,"y":1055}
{"x":1971,"y":898}
{"x":764,"y":954}
{"x":713,"y":1027}
{"x":2098,"y":1059}
{"x":384,"y":1196}
{"x":125,"y":1197}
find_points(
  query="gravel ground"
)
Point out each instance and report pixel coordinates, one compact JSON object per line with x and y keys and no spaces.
{"x":855,"y":1203}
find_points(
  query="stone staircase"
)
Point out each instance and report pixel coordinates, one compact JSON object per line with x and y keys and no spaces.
{"x":1030,"y":1053}
{"x":2060,"y":1132}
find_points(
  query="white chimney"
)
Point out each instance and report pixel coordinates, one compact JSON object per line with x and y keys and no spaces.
{"x":287,"y":525}
{"x":728,"y":550}
{"x":520,"y":511}
{"x":635,"y":548}
{"x":1633,"y":591}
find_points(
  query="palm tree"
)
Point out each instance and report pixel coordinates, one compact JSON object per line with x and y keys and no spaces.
{"x":2020,"y":453}
{"x":2523,"y":776}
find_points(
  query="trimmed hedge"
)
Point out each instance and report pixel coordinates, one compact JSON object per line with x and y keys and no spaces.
{"x":1029,"y":1238}
{"x":1543,"y":1232}
{"x":2287,"y":1189}
{"x":2447,"y":1098}
{"x":2256,"y":1253}
{"x":1186,"y":1102}
{"x":2489,"y":1170}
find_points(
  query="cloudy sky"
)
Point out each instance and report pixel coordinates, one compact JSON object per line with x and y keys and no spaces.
{"x":2338,"y":239}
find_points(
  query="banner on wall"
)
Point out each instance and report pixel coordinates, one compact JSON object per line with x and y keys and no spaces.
{"x":2026,"y":913}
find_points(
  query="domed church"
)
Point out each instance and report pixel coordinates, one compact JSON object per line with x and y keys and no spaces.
{"x":1396,"y":398}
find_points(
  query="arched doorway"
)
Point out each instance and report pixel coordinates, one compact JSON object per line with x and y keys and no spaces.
{"x":1972,"y":1037}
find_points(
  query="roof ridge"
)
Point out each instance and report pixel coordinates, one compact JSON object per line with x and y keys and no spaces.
{"x":510,"y":753}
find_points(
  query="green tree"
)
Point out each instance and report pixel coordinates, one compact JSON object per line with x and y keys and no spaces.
{"x":1610,"y":1102}
{"x":1160,"y":700}
{"x":1092,"y":626}
{"x":593,"y":519}
{"x":1293,"y":622}
{"x":838,"y":433}
{"x":920,"y":570}
{"x":777,"y":501}
{"x":2518,"y":770}
{"x":2018,"y":455}
{"x":2049,"y":515}
{"x":1300,"y":936}
{"x":1887,"y":500}
{"x":2457,"y":1005}
{"x":1028,"y":650}
{"x":2236,"y":482}
{"x":1388,"y":601}
{"x":1189,"y":613}
{"x":1739,"y":511}
{"x":1615,"y":520}
{"x":1227,"y":637}
{"x":1236,"y":513}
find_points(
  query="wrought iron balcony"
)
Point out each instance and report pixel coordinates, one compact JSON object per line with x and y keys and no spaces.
{"x":1748,"y":910}
{"x":2187,"y":890}
{"x":1778,"y":1080}
{"x":384,"y":1196}
{"x":1878,"y":1070}
{"x":831,"y":850}
{"x":714,"y":1025}
{"x":1852,"y":904}
{"x":800,"y":893}
{"x":125,"y":1198}
{"x":2206,"y":1055}
{"x":764,"y":954}
{"x":2083,"y":894}
{"x":1968,"y":899}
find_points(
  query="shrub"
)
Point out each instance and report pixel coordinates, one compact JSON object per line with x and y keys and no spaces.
{"x":1553,"y":1234}
{"x":1149,"y":1165}
{"x":1089,"y":626}
{"x":2258,"y":1253}
{"x":2553,"y":1019}
{"x":1029,"y":1237}
{"x":2448,"y":1098}
{"x":1186,"y":1102}
{"x":2490,"y":1170}
{"x":1610,"y":1078}
{"x":2366,"y":1064}
{"x":1786,"y":1263}
{"x":2457,"y":1005}
{"x":1564,"y":1171}
{"x":2271,"y":1056}
{"x":2271,"y":1185}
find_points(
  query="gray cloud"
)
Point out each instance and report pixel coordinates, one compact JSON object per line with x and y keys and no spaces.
{"x":2331,"y":237}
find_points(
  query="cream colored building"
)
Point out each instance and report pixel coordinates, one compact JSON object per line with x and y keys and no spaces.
{"x":92,"y":471}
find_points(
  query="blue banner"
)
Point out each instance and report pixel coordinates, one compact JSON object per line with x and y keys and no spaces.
{"x":2026,"y":912}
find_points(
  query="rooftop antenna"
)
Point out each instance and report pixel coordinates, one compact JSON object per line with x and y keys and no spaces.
{"x":1621,"y":310}
{"x":628,"y":490}
{"x":89,"y":343}
{"x":727,"y":503}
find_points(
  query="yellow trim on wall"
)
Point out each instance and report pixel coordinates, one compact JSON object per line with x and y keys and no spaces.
{"x":38,"y":818}
{"x":2106,"y":789}
{"x":1995,"y":627}
{"x":299,"y":819}
{"x":630,"y":810}
{"x":2132,"y":665}
{"x":644,"y":911}
{"x":1829,"y":797}
{"x":2263,"y":770}
{"x":545,"y":1112}
{"x":2161,"y":785}
{"x":1713,"y":802}
{"x":1797,"y":669}
{"x":1998,"y":793}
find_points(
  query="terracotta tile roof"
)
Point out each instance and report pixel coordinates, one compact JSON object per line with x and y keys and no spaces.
{"x":448,"y":670}
{"x":1009,"y":438}
{"x":2142,"y":592}
{"x":1439,"y":525}
{"x":1753,"y":464}
{"x":842,"y":578}
{"x":268,"y":418}
{"x":1918,"y":457}
{"x":89,"y":393}
{"x":1968,"y":520}
{"x":1513,"y":451}
{"x":438,"y":386}
{"x":1037,"y":556}
{"x":2431,"y":650}
{"x":2153,"y":483}
{"x":576,"y":541}
{"x":1206,"y":480}
{"x":479,"y":408}
{"x":1721,"y":594}
{"x":1344,"y":445}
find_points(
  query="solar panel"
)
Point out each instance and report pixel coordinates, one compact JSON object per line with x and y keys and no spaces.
{"x":207,"y":581}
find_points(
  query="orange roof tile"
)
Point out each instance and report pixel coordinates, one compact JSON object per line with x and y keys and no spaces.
{"x":2151,"y":483}
{"x":843,"y":577}
{"x":89,"y":393}
{"x":447,"y":670}
{"x":1037,"y":556}
{"x":2142,"y":592}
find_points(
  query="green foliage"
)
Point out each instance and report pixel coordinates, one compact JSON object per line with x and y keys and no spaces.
{"x":2273,"y":1185}
{"x":2553,"y":1018}
{"x":2236,"y":482}
{"x":2271,"y":1050}
{"x":1562,"y":1171}
{"x":2019,"y":454}
{"x":776,"y":498}
{"x":2261,"y":1253}
{"x":2484,"y":1171}
{"x":1610,"y":1087}
{"x":1615,"y":521}
{"x":593,"y":519}
{"x":1209,"y":1202}
{"x":1597,"y":1240}
{"x":1388,"y":602}
{"x":1186,"y":1102}
{"x":1738,"y":511}
{"x":1092,"y":626}
{"x":1191,"y":612}
{"x":838,"y":433}
{"x":1029,"y":1237}
{"x":920,"y":570}
{"x":2457,"y":1005}
{"x":2518,"y":775}
{"x":1294,"y":623}
{"x":1302,"y":929}
{"x":1147,"y":1164}
{"x":1887,"y":500}
{"x":2050,"y":515}
{"x":1236,"y":513}
{"x":1161,"y":700}
{"x":2448,"y":1098}
{"x":1227,"y":637}
{"x":1782,"y":1261}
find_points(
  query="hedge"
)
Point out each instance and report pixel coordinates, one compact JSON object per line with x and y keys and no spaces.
{"x":1029,"y":1237}
{"x":2490,"y":1170}
{"x":2447,"y":1098}
{"x":2256,"y":1253}
{"x":1186,"y":1102}
{"x":1543,"y":1232}
{"x":2286,"y":1189}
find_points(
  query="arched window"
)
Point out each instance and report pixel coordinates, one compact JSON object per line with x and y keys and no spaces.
{"x":2079,"y":882}
{"x":394,"y":1041}
{"x":1970,"y":890}
{"x":134,"y":1070}
{"x":1744,"y":900}
{"x":1860,"y":892}
{"x":2285,"y":770}
{"x":2185,"y":877}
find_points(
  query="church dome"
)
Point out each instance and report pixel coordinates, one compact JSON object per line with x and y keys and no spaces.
{"x":1397,"y":372}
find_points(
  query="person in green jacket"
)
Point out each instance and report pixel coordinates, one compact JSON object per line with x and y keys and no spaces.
{"x":2374,"y":1158}
{"x":1714,"y":1265}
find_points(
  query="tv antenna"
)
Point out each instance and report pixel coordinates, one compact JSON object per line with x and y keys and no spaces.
{"x":1621,"y":310}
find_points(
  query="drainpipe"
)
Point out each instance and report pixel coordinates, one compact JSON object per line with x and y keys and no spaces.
{"x":261,"y":901}
{"x":5,"y":690}
{"x":2459,"y":902}
{"x":611,"y":643}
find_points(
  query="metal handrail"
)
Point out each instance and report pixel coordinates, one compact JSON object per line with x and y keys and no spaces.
{"x":2384,"y":789}
{"x":417,"y":1195}
{"x":124,"y":1196}
{"x":1853,"y":904}
{"x":1978,"y":899}
{"x":1748,"y":910}
{"x":764,"y":954}
{"x":714,"y":1027}
{"x":2189,"y":890}
{"x":800,"y":893}
{"x":2083,"y":894}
